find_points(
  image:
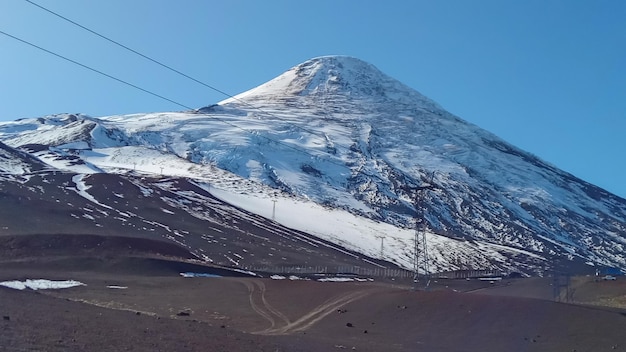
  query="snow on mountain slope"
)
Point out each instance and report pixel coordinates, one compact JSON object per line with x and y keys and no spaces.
{"x":14,"y":163}
{"x":362,"y":235}
{"x":337,"y":132}
{"x":324,"y":79}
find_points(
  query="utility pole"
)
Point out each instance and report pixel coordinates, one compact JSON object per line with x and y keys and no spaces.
{"x":425,"y":255}
{"x":274,"y":210}
{"x":415,"y":259}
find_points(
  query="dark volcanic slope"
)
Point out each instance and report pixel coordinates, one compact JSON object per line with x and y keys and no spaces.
{"x":168,"y":209}
{"x":55,"y":245}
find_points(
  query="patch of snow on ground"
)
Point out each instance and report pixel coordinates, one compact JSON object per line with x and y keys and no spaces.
{"x":247,"y":272}
{"x":291,"y":277}
{"x":41,"y":284}
{"x":81,"y":189}
{"x":189,"y":274}
{"x":336,"y":279}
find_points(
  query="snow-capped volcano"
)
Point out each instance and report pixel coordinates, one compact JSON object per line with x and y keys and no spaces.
{"x":337,"y":132}
{"x":324,"y":79}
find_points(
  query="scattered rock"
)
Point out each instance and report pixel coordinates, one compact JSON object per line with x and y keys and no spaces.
{"x":341,"y":311}
{"x":349,"y":325}
{"x":6,"y":317}
{"x":365,"y":331}
{"x":137,"y":313}
{"x":223,"y":326}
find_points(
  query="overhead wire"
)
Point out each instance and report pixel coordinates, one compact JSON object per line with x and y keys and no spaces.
{"x":94,"y":70}
{"x":147,"y":91}
{"x":127,"y":48}
{"x":289,"y":146}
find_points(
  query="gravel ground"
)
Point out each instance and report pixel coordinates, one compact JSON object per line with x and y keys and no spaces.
{"x":169,"y":313}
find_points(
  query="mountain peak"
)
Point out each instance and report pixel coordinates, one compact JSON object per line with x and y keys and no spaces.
{"x":327,"y":77}
{"x":341,"y":75}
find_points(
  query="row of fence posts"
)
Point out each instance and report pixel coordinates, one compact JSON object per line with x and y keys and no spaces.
{"x":334,"y":270}
{"x":368,"y":272}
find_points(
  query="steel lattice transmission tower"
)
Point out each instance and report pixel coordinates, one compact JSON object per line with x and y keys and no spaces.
{"x":420,"y":234}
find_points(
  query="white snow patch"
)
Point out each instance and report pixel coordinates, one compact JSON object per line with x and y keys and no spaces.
{"x":190,"y":274}
{"x":336,"y":279}
{"x":81,"y":189}
{"x":41,"y":284}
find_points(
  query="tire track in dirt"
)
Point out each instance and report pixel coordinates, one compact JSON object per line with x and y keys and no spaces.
{"x":267,"y":315}
{"x":107,"y":304}
{"x":280,"y":324}
{"x":268,"y":306}
{"x":315,"y":315}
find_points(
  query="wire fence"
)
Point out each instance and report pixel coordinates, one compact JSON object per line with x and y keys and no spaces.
{"x":348,"y":270}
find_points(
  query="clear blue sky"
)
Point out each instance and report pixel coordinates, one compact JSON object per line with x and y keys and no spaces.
{"x":548,"y":76}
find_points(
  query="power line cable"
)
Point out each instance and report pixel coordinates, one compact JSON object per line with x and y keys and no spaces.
{"x":160,"y":96}
{"x":172,"y":101}
{"x":95,"y":70}
{"x":127,"y":48}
